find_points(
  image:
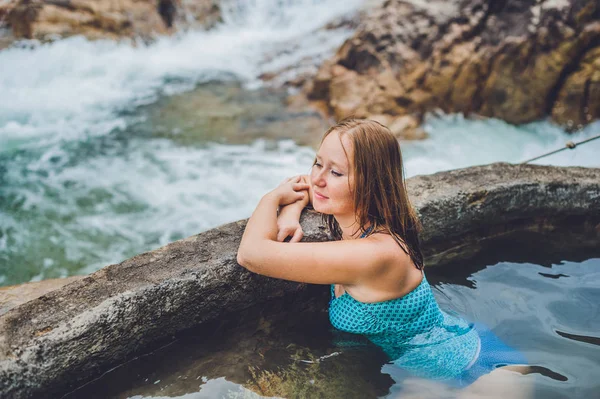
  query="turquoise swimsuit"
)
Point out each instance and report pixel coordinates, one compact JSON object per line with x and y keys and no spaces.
{"x":421,"y":338}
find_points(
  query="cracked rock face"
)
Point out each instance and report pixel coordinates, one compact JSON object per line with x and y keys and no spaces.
{"x":66,"y":337}
{"x":516,"y":60}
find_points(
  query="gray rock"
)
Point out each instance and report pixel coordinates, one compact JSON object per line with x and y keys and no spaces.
{"x":52,"y":344}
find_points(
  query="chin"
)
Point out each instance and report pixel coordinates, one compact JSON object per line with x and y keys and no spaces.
{"x":322,"y":209}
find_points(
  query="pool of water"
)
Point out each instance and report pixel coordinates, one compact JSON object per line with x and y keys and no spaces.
{"x":546,"y":308}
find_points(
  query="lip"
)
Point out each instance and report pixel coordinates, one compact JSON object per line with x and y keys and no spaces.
{"x":320,"y":196}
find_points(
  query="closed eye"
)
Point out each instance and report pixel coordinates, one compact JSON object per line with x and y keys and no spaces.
{"x":333,"y":172}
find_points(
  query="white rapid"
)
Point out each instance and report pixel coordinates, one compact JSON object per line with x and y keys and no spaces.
{"x":456,"y":142}
{"x":79,"y":189}
{"x":73,"y":87}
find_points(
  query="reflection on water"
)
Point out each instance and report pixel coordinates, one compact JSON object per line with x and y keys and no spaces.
{"x":283,"y":351}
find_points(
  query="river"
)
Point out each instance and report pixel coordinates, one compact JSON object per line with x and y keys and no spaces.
{"x":98,"y":163}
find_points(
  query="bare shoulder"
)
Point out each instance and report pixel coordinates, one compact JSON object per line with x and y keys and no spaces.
{"x":395,"y":276}
{"x":388,"y":249}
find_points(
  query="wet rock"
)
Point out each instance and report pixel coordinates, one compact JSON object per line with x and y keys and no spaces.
{"x":52,"y":344}
{"x":514,"y":60}
{"x":225,"y":112}
{"x":144,"y":19}
{"x":578,"y":101}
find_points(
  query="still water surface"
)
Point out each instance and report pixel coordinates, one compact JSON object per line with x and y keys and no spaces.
{"x":548,"y":310}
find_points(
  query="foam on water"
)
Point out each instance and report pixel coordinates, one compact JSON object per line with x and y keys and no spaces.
{"x":456,"y":142}
{"x":78,"y":217}
{"x":71,"y":201}
{"x":80,"y":190}
{"x":69,"y":88}
{"x":109,"y":207}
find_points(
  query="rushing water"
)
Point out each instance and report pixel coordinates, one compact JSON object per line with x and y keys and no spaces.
{"x":88,"y":178}
{"x":545,"y":309}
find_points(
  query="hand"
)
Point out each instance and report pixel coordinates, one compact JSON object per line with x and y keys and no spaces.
{"x":291,"y":190}
{"x":289,"y":227}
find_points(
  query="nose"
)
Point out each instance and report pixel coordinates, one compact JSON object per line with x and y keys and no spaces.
{"x":318,"y":177}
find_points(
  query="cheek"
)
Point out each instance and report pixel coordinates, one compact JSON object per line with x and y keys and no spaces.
{"x":312,"y":175}
{"x":342,"y":191}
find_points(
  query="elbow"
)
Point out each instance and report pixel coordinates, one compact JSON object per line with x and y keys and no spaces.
{"x":241,"y":259}
{"x":253,"y":256}
{"x":244,"y":259}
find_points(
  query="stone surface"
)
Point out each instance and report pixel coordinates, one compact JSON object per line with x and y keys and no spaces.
{"x":15,"y":295}
{"x":578,"y":101}
{"x":463,"y":209}
{"x":58,"y":341}
{"x":105,"y":19}
{"x":516,"y":60}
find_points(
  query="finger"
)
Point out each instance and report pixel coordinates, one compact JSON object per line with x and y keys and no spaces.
{"x":287,"y":180}
{"x":281,"y":235}
{"x":298,"y":234}
{"x":300,"y":186}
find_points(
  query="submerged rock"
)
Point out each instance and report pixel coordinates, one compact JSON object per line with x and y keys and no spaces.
{"x":102,"y":19}
{"x":515,"y":60}
{"x":225,"y":112}
{"x":55,"y":343}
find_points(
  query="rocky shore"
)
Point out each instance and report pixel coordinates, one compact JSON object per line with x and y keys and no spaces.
{"x":516,"y":60}
{"x":55,"y":343}
{"x":46,"y":20}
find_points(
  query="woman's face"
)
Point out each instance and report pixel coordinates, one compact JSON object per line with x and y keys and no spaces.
{"x":332,"y":178}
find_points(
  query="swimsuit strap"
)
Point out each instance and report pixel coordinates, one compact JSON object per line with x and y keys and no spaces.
{"x":367,"y":231}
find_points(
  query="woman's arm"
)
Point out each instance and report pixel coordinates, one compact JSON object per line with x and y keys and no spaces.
{"x":288,"y":221}
{"x":343,"y":262}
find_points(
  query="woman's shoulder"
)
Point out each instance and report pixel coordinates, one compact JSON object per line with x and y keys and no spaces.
{"x":397,"y":275}
{"x":388,"y":246}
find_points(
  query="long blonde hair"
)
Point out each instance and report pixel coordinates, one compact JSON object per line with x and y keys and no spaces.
{"x":380,"y":197}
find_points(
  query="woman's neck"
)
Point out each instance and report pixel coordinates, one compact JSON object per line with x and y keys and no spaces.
{"x":349,"y":226}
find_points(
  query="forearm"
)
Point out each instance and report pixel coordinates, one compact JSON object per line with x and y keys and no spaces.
{"x":293,"y":211}
{"x":261,"y":227}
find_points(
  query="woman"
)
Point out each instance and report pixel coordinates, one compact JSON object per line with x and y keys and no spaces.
{"x":374,"y":264}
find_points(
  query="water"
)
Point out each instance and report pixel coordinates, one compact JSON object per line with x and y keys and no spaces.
{"x":546,"y":309}
{"x":81,"y":188}
{"x":89,"y":175}
{"x":456,"y":142}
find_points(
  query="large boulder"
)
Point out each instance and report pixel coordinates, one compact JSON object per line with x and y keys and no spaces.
{"x":54,"y":343}
{"x":516,"y":60}
{"x":105,"y":19}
